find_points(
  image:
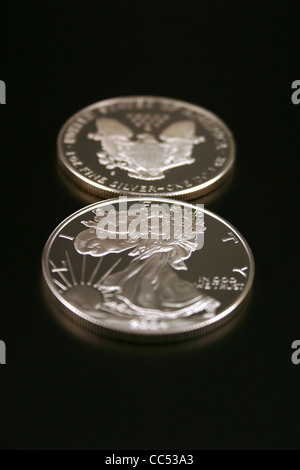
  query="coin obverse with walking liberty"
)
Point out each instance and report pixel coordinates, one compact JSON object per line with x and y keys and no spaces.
{"x":147,"y":146}
{"x":147,"y":268}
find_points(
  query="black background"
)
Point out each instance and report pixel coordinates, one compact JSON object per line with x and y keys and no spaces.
{"x":238,"y":390}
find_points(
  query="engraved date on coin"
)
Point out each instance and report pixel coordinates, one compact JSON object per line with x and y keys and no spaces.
{"x":219,"y":283}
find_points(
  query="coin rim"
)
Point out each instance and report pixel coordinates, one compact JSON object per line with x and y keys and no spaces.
{"x":98,"y":326}
{"x":105,"y":191}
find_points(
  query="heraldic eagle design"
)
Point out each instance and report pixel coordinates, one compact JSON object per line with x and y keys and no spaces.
{"x":144,"y":156}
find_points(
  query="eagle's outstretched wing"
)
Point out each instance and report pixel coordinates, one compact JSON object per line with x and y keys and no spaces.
{"x":182,"y":131}
{"x":112,"y":134}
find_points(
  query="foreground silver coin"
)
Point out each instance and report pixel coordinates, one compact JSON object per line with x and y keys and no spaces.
{"x":151,"y":269}
{"x":148,"y":146}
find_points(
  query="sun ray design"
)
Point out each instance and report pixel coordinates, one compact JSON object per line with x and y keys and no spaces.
{"x":60,"y":285}
{"x":75,"y":283}
{"x":105,"y":275}
{"x":89,"y":282}
{"x":67,"y":267}
{"x":83,"y":270}
{"x":79,"y":289}
{"x":57,"y":270}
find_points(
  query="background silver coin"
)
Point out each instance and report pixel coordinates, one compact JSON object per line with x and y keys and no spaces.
{"x":148,"y":146}
{"x":149,"y":269}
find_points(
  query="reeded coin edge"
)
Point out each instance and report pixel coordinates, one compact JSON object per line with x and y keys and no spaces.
{"x":140,"y":337}
{"x":105,"y":191}
{"x":98,"y":326}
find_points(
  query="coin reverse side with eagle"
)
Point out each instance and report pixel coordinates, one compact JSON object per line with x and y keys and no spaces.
{"x":146,"y":146}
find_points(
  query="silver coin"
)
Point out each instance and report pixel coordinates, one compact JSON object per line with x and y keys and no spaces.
{"x":147,"y":146}
{"x":147,"y":269}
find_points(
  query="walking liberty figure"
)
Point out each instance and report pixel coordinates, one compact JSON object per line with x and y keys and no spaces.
{"x":2,"y":92}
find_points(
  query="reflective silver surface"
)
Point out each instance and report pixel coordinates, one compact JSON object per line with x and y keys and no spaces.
{"x":127,"y":272}
{"x":148,"y":146}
